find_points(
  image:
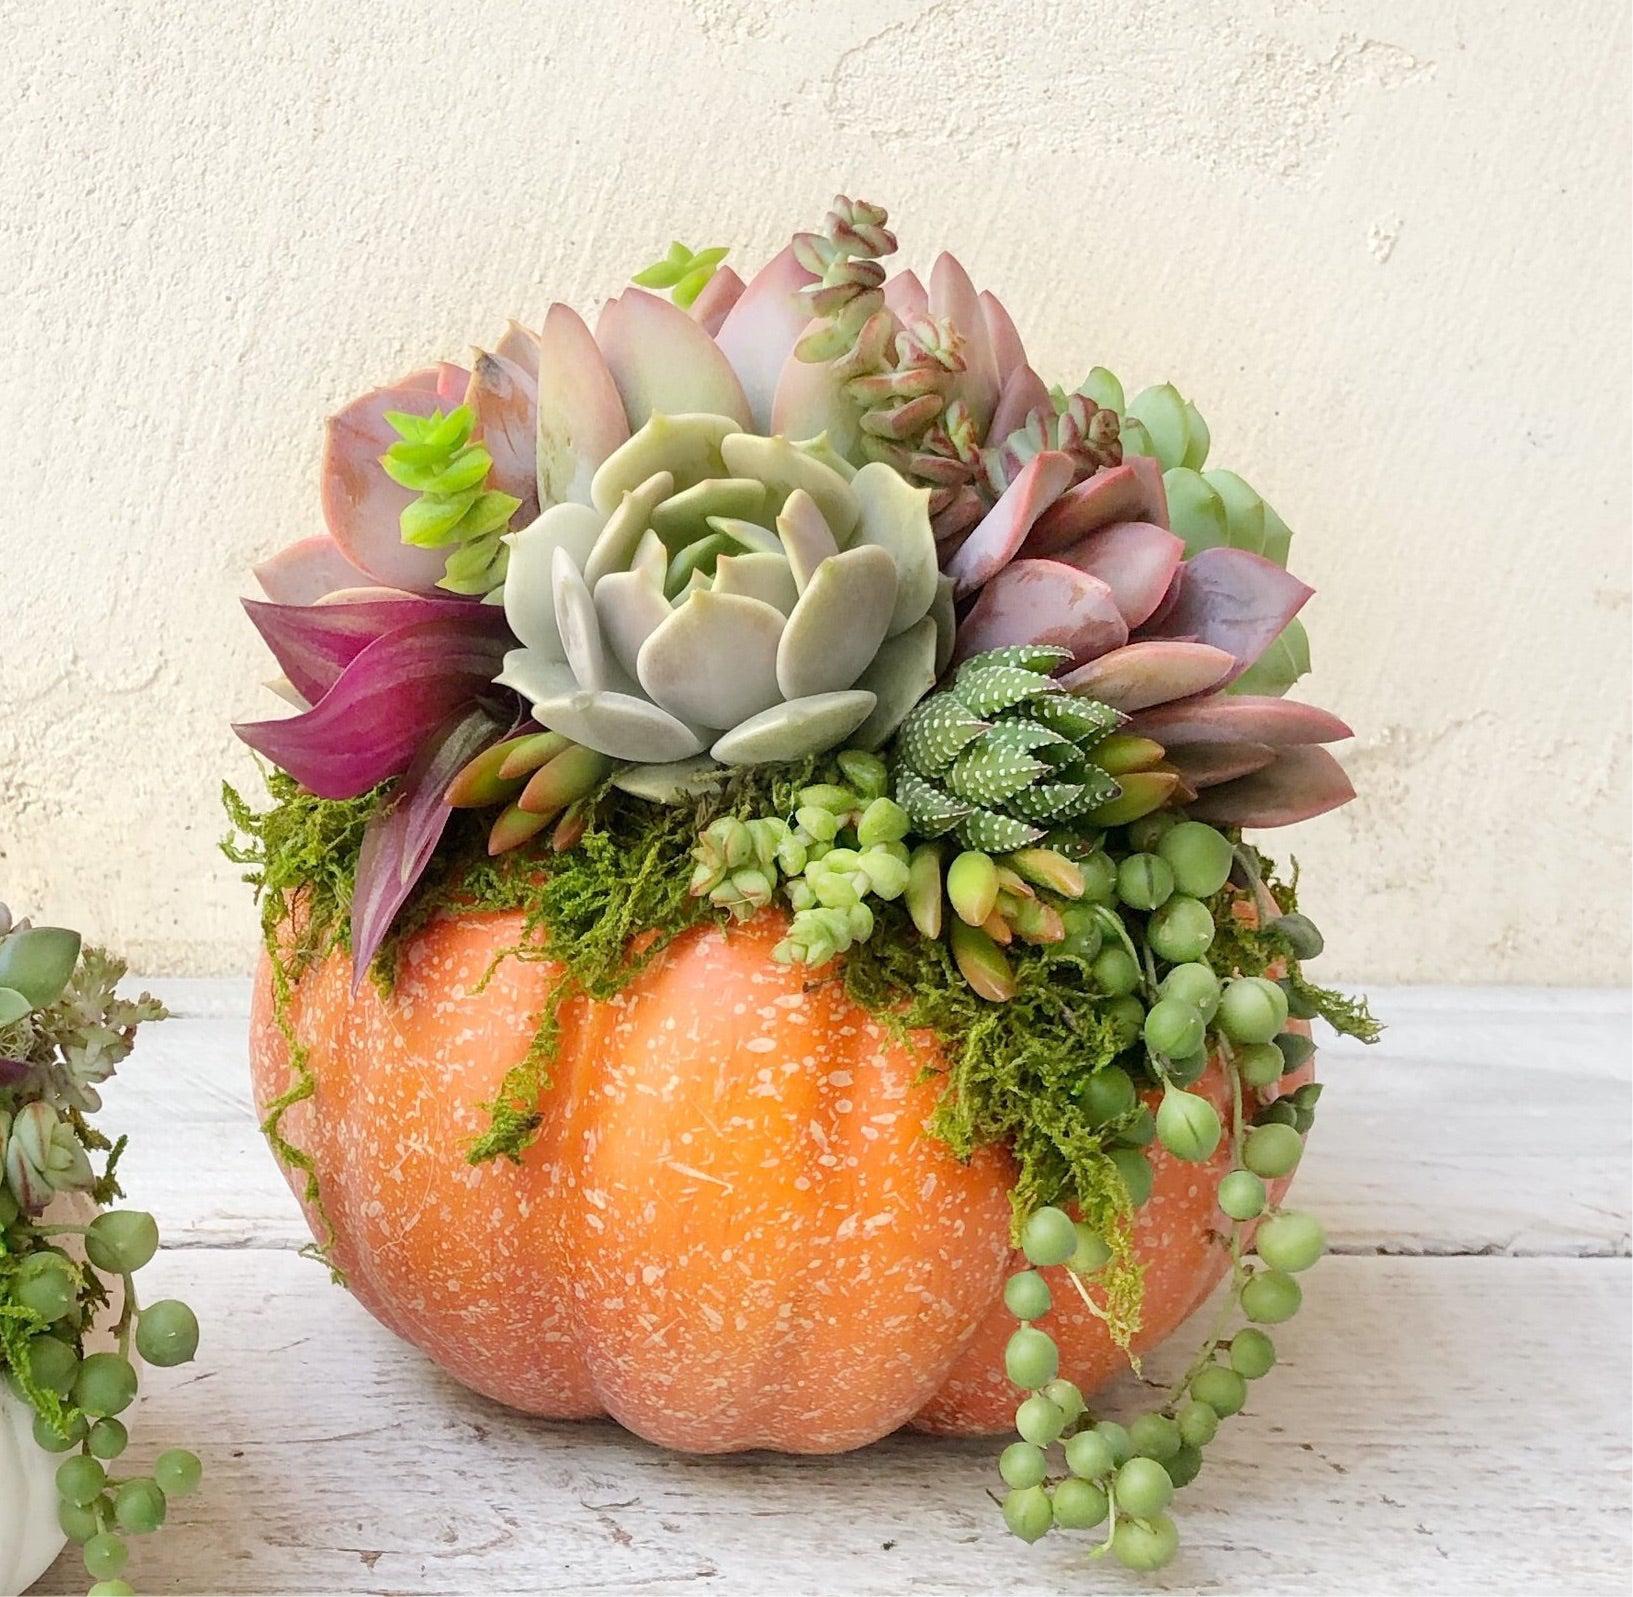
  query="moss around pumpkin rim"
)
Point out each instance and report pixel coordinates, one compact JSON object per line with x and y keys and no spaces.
{"x":1015,"y":1075}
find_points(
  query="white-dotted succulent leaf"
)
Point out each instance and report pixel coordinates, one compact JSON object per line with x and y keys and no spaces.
{"x":629,"y":523}
{"x":795,"y":728}
{"x":1084,"y":721}
{"x":1041,"y":657}
{"x":987,"y":774}
{"x":903,"y":671}
{"x":896,"y":517}
{"x":993,"y":833}
{"x":934,"y":735}
{"x":838,"y":624}
{"x":1053,"y":802}
{"x":529,"y":593}
{"x":686,"y":446}
{"x":931,"y":810}
{"x":988,"y":689}
{"x":713,"y":662}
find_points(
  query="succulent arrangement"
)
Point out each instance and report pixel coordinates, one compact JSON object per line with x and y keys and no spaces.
{"x":68,"y":1259}
{"x":805,"y":596}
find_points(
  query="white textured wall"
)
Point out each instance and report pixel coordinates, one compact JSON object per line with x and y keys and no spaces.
{"x":1383,"y":244}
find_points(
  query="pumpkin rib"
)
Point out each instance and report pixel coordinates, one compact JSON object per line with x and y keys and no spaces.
{"x":731,"y":1230}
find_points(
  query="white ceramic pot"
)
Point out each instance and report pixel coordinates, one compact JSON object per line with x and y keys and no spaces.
{"x":30,"y":1537}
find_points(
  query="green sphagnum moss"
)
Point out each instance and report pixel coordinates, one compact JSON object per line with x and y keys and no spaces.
{"x":1014,"y":1073}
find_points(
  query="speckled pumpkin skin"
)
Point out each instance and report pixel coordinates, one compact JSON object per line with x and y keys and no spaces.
{"x":731,"y":1231}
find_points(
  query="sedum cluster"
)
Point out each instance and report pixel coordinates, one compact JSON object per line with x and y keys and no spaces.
{"x":62,"y":1031}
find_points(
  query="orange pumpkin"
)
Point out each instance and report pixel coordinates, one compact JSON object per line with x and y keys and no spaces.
{"x":731,"y":1231}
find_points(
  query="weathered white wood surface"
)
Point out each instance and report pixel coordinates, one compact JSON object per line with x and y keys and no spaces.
{"x":1453,"y":1417}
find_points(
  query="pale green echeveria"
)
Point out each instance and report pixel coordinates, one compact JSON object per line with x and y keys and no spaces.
{"x":1207,"y":507}
{"x":730,"y":595}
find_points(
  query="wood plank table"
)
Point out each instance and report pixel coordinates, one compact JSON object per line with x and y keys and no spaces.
{"x":1451,"y":1413}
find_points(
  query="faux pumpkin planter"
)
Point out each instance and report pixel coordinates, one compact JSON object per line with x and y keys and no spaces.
{"x":732,"y":1231}
{"x":760,"y":937}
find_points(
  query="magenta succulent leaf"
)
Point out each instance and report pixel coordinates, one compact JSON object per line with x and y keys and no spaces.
{"x":392,"y":695}
{"x":361,"y":504}
{"x":1043,"y":601}
{"x":1135,"y":559}
{"x":1132,"y":491}
{"x":1234,"y":600}
{"x":1299,"y":783}
{"x":1004,"y":528}
{"x":398,"y":844}
{"x":1150,"y":672}
{"x":315,"y":643}
{"x":1233,"y":718}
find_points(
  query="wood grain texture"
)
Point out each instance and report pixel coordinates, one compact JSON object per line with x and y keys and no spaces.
{"x":1440,"y":1422}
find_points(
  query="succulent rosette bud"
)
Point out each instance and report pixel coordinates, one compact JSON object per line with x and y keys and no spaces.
{"x":43,"y":1156}
{"x":727,"y":592}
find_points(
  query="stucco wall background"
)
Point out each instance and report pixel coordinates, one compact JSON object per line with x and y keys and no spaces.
{"x":1384,"y":245}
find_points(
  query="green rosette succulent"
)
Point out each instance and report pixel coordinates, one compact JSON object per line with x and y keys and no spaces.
{"x":1004,"y":755}
{"x":729,"y":593}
